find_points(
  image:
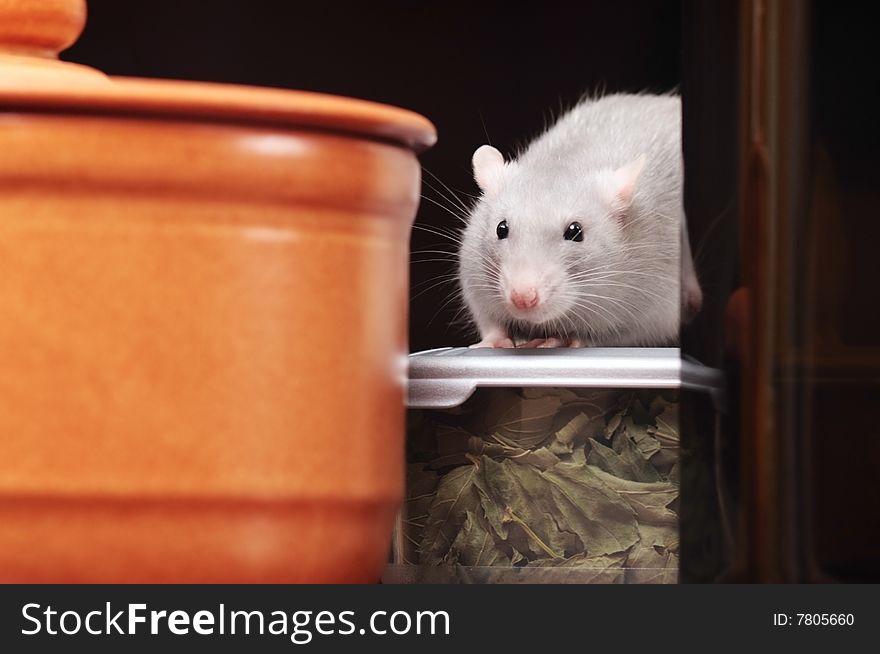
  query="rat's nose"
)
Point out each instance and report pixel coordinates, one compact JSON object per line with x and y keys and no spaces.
{"x":524,"y":298}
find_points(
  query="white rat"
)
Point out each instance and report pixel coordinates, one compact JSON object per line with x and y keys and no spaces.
{"x":581,"y":239}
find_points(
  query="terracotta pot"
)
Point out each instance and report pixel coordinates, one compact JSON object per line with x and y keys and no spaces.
{"x":203,"y":301}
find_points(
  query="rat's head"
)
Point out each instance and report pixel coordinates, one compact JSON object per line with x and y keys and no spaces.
{"x":545,"y":244}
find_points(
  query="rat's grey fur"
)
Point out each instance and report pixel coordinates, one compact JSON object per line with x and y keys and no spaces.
{"x":620,"y":286}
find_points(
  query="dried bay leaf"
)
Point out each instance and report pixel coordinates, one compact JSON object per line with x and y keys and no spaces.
{"x":649,"y":501}
{"x":639,"y":467}
{"x":603,"y":522}
{"x":567,"y":434}
{"x":479,"y":447}
{"x":645,"y":443}
{"x":522,"y":422}
{"x":667,"y":421}
{"x":456,"y":494}
{"x":628,"y":464}
{"x":563,"y":442}
{"x":541,"y":458}
{"x":578,"y":569}
{"x":558,"y":448}
{"x":665,"y":438}
{"x":616,"y":483}
{"x":666,"y":433}
{"x":654,"y":560}
{"x":604,"y":561}
{"x":659,"y":537}
{"x":665,"y":459}
{"x":519,"y":508}
{"x":646,"y":566}
{"x":475,"y":545}
{"x":613,"y":425}
{"x":651,"y":507}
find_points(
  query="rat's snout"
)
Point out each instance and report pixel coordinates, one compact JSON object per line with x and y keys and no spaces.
{"x":526,"y":292}
{"x":524,"y":298}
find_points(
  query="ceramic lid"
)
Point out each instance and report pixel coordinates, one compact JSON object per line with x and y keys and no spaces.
{"x":33,"y":32}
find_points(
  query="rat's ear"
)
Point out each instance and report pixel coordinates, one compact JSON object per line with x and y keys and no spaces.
{"x":488,"y":165}
{"x":618,"y":186}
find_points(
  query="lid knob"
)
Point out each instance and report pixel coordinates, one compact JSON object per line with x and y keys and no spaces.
{"x":41,"y":28}
{"x":33,"y":32}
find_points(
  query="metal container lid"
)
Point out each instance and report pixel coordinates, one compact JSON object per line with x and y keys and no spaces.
{"x":446,"y":377}
{"x":33,"y":32}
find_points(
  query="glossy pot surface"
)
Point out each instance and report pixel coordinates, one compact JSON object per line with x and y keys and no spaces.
{"x":204,"y":325}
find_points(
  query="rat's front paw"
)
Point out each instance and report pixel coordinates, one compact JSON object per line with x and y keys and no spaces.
{"x":495,"y":339}
{"x":543,"y":343}
{"x":502,"y":341}
{"x":553,"y":342}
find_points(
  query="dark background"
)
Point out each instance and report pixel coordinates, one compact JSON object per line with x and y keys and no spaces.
{"x":481,"y":71}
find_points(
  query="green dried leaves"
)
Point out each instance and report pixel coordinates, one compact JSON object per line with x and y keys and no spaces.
{"x":474,"y":545}
{"x":545,"y":481}
{"x":456,"y":495}
{"x":655,"y":559}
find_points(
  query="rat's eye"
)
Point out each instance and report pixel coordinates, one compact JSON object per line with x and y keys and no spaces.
{"x":574,"y":232}
{"x":502,"y":230}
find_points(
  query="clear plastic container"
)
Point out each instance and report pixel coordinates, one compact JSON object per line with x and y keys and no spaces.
{"x":544,"y":466}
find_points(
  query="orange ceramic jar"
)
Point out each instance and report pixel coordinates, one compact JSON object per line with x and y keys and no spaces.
{"x":202,"y":323}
